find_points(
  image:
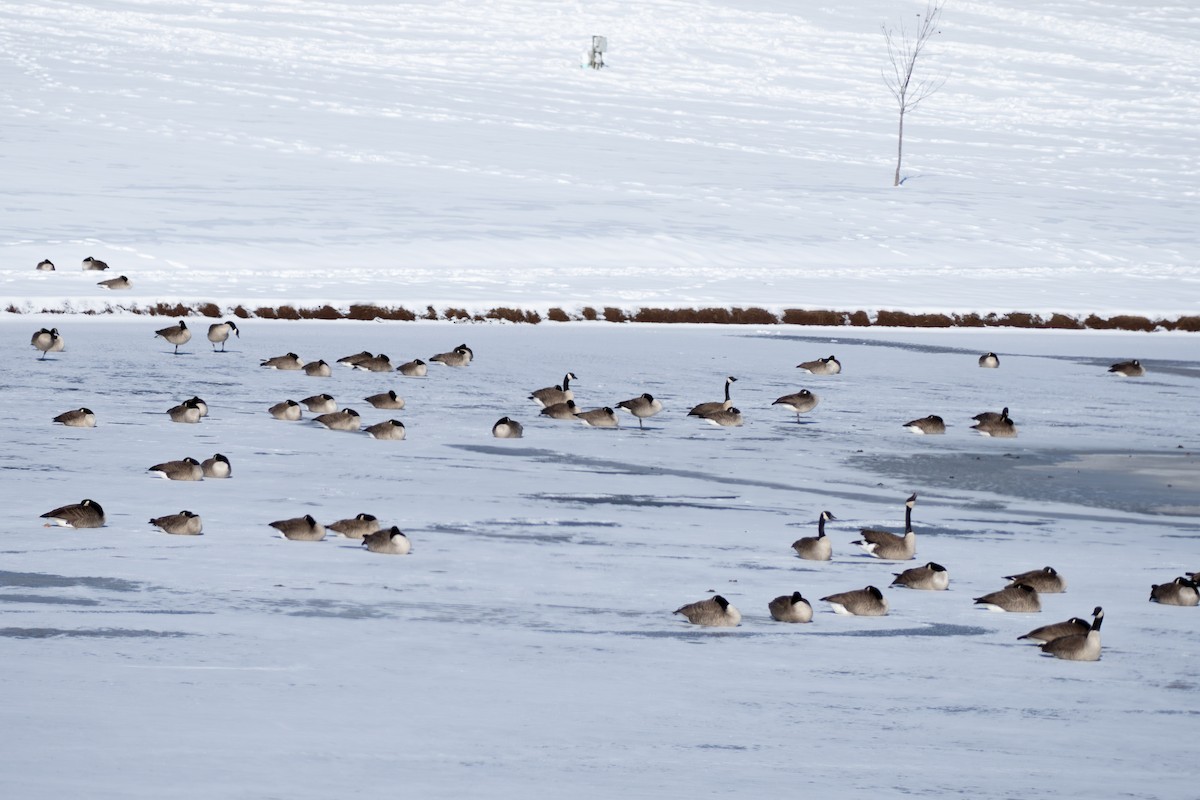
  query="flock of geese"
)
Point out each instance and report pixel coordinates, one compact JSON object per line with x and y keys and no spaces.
{"x":1075,"y":639}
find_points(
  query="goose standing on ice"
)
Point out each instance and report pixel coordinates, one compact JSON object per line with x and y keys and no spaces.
{"x":709,"y":408}
{"x":801,"y":402}
{"x":176,"y":334}
{"x":47,"y":341}
{"x":715,"y":612}
{"x":816,"y":548}
{"x":643,"y":407}
{"x":218,"y":333}
{"x":889,"y":546}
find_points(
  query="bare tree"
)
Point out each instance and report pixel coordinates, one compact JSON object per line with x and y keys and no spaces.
{"x":904,"y":48}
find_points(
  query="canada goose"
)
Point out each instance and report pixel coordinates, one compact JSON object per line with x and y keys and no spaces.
{"x":560,"y":410}
{"x":390,"y":542}
{"x":351,"y":360}
{"x":1128,"y":369}
{"x":643,"y":407}
{"x":86,"y":514}
{"x":598,"y":418}
{"x":320,"y":403}
{"x":413,"y":369}
{"x":714,"y":612}
{"x":200,"y":404}
{"x":790,"y":608}
{"x":822,"y":366}
{"x":1019,"y":598}
{"x":1057,"y":630}
{"x":989,"y":361}
{"x":388,"y":400}
{"x":300,"y":529}
{"x":116,"y":284}
{"x":708,"y":408}
{"x":317,"y":369}
{"x":391,"y":429}
{"x":46,"y":265}
{"x":185,"y":523}
{"x":815,"y":548}
{"x":458,"y":357}
{"x":932,"y":576}
{"x":1000,"y":429}
{"x":345,"y":420}
{"x":506,"y":428}
{"x":287,"y":410}
{"x":216,"y":467}
{"x":1046,"y":580}
{"x":868,"y":602}
{"x":219,"y":332}
{"x":79,"y":418}
{"x":555,"y":394}
{"x":187,"y":411}
{"x":933,"y":424}
{"x":378,"y":363}
{"x":890,"y":546}
{"x":725,"y":418}
{"x":1179,"y":592}
{"x":288,"y":361}
{"x":94,"y":265}
{"x":176,"y":334}
{"x":187,"y":469}
{"x":356,"y":527}
{"x":1078,"y":646}
{"x":991,"y":416}
{"x":801,"y":402}
{"x":47,"y":341}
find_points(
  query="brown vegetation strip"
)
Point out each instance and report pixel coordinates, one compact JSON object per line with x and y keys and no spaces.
{"x":667,"y":316}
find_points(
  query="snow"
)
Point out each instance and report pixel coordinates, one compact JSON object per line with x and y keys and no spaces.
{"x":731,"y":154}
{"x":457,"y":155}
{"x":528,"y":642}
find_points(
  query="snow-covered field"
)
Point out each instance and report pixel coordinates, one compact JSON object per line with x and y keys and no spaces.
{"x":733,"y":153}
{"x":527,"y":645}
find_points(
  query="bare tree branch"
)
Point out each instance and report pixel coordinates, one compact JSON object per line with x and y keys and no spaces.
{"x":904,"y":49}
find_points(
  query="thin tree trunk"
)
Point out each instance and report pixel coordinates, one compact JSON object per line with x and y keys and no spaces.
{"x":899,"y":147}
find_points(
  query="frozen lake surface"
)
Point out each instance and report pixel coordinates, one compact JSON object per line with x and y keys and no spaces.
{"x":528,"y":642}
